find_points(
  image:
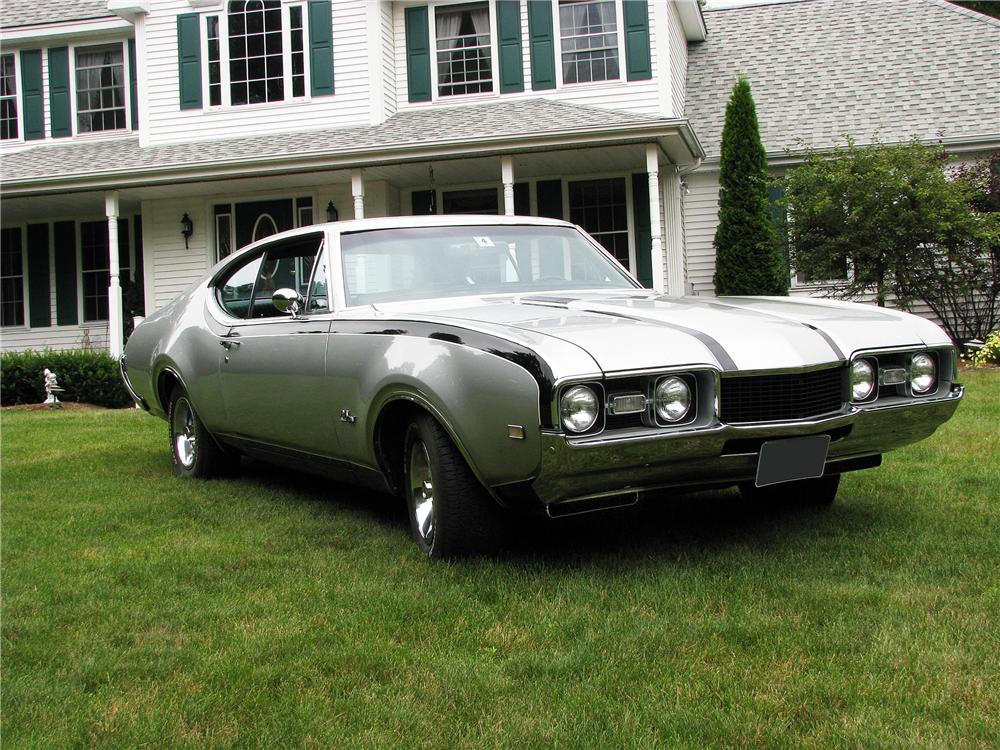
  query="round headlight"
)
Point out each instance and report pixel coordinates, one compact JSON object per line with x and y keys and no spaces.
{"x":578,"y":408}
{"x":923,"y":373}
{"x":672,"y":399}
{"x":862,"y":380}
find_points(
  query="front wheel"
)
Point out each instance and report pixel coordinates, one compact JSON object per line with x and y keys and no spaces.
{"x":821,"y":491}
{"x":195,"y":452}
{"x":451,"y":514}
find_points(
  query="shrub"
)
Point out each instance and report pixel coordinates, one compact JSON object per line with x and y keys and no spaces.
{"x":86,"y":376}
{"x":990,"y":353}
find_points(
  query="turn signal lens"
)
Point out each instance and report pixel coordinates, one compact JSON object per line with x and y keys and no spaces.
{"x":672,"y":399}
{"x":862,"y":380}
{"x":578,"y":408}
{"x":923,"y":373}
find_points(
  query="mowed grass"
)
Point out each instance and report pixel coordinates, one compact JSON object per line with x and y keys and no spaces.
{"x":279,"y":610}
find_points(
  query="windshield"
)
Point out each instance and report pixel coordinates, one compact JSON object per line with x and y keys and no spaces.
{"x":390,"y":265}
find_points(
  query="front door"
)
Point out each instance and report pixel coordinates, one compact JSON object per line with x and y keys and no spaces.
{"x":260,"y":219}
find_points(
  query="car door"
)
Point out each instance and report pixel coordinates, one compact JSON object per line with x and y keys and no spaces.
{"x":273,"y":370}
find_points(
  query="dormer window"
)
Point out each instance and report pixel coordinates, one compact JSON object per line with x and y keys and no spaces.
{"x":464,"y":63}
{"x":8,"y":98}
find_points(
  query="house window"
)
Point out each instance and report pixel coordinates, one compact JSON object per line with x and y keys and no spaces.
{"x":601,"y":208}
{"x":8,"y":98}
{"x":11,"y":278}
{"x":100,"y":88}
{"x":464,"y":63}
{"x":95,"y":266}
{"x":589,"y":33}
{"x":249,"y":59}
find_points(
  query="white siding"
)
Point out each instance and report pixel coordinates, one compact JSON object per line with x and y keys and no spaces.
{"x":678,"y":60}
{"x":642,"y":97}
{"x":169,"y":267}
{"x":56,"y":338}
{"x":388,"y":58}
{"x":350,"y":105}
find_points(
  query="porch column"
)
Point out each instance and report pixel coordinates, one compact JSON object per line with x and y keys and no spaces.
{"x":115,"y":327}
{"x":358,"y":191}
{"x":655,"y":216}
{"x":507,"y":176}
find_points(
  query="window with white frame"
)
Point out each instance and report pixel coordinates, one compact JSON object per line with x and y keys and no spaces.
{"x":256,"y":53}
{"x":95,"y":266}
{"x":588,"y":31}
{"x":601,"y":208}
{"x":100,"y":88}
{"x":11,"y":278}
{"x":8,"y":98}
{"x":464,"y":55}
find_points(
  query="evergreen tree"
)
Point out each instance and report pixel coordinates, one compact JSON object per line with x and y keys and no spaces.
{"x":748,"y":257}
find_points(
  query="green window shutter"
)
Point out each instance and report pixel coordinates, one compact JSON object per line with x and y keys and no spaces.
{"x":541,"y":44}
{"x":189,"y":60}
{"x":418,"y":54}
{"x":638,"y":66}
{"x":139,"y":275}
{"x":643,"y":229}
{"x":32,"y":106}
{"x":39,"y":304}
{"x":59,"y":109}
{"x":64,"y":233}
{"x":509,"y":38}
{"x":133,"y":91}
{"x":321,"y":47}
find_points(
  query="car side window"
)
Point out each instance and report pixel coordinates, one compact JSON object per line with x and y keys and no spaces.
{"x":235,"y":291}
{"x":319,"y":300}
{"x":288,"y":264}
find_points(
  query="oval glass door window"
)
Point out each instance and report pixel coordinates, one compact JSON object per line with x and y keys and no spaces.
{"x":264,"y":227}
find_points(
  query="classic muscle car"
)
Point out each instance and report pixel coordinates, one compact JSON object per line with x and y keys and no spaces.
{"x":481,"y":367}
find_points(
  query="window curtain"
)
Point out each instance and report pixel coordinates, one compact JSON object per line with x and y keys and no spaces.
{"x":448,"y":25}
{"x":481,"y":21}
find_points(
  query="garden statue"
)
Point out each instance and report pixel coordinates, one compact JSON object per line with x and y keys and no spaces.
{"x":52,"y":387}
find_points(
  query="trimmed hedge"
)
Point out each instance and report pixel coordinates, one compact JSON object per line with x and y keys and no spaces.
{"x":90,"y":377}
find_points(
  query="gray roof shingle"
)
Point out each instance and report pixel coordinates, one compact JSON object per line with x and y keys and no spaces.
{"x":822,"y":68}
{"x":440,"y":125}
{"x":31,"y":12}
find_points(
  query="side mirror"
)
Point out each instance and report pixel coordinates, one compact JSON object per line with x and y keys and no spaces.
{"x":287,"y":301}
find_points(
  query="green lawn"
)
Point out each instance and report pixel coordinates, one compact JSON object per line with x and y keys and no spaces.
{"x":279,"y":610}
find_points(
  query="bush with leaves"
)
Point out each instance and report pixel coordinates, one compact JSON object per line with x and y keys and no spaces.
{"x":989,"y":354}
{"x":748,"y":256}
{"x":909,"y":231}
{"x":86,"y":376}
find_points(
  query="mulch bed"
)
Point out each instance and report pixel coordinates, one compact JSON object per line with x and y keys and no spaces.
{"x":66,"y":406}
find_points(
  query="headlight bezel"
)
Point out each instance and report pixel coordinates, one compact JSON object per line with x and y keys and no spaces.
{"x":935,"y":374}
{"x":873,"y":370}
{"x":690,"y":415}
{"x":599,"y":408}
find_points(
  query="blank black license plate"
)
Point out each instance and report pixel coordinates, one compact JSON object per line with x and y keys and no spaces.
{"x":791,"y":459}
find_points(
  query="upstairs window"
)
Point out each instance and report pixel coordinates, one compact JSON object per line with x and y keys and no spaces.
{"x":464,"y":64}
{"x":8,"y":98}
{"x":589,"y":33}
{"x":100,"y":88}
{"x":256,"y":53}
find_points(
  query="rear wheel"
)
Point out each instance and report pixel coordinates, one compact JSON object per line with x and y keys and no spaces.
{"x":451,"y":514}
{"x":819,"y":492}
{"x":195,"y":452}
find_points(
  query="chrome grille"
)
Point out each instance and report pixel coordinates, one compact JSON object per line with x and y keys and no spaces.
{"x":772,"y":398}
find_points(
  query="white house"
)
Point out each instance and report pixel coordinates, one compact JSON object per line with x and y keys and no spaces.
{"x":142,"y":140}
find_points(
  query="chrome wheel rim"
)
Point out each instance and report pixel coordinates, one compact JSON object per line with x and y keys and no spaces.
{"x":422,"y":492}
{"x":185,"y":443}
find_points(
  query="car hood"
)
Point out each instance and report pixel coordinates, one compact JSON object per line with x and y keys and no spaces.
{"x":630,"y":331}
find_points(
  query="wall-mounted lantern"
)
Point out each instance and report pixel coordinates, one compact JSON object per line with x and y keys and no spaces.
{"x":187,"y":229}
{"x":332,"y":214}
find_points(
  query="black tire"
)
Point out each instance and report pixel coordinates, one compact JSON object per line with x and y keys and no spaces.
{"x":820,"y":492}
{"x":460,"y":519}
{"x":196,"y":454}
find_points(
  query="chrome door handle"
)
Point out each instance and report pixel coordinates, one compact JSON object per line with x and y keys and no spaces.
{"x":228,"y":342}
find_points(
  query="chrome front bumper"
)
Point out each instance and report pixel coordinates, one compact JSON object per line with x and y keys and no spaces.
{"x":578,"y":471}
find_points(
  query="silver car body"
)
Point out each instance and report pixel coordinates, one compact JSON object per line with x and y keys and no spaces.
{"x":318,"y":391}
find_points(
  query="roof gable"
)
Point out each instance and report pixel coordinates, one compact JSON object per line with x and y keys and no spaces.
{"x":824,"y":68}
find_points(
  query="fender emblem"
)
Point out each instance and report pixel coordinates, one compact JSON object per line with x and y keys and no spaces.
{"x":346,"y":416}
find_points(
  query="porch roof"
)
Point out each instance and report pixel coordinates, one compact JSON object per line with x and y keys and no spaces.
{"x":36,"y":12}
{"x":441,"y":132}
